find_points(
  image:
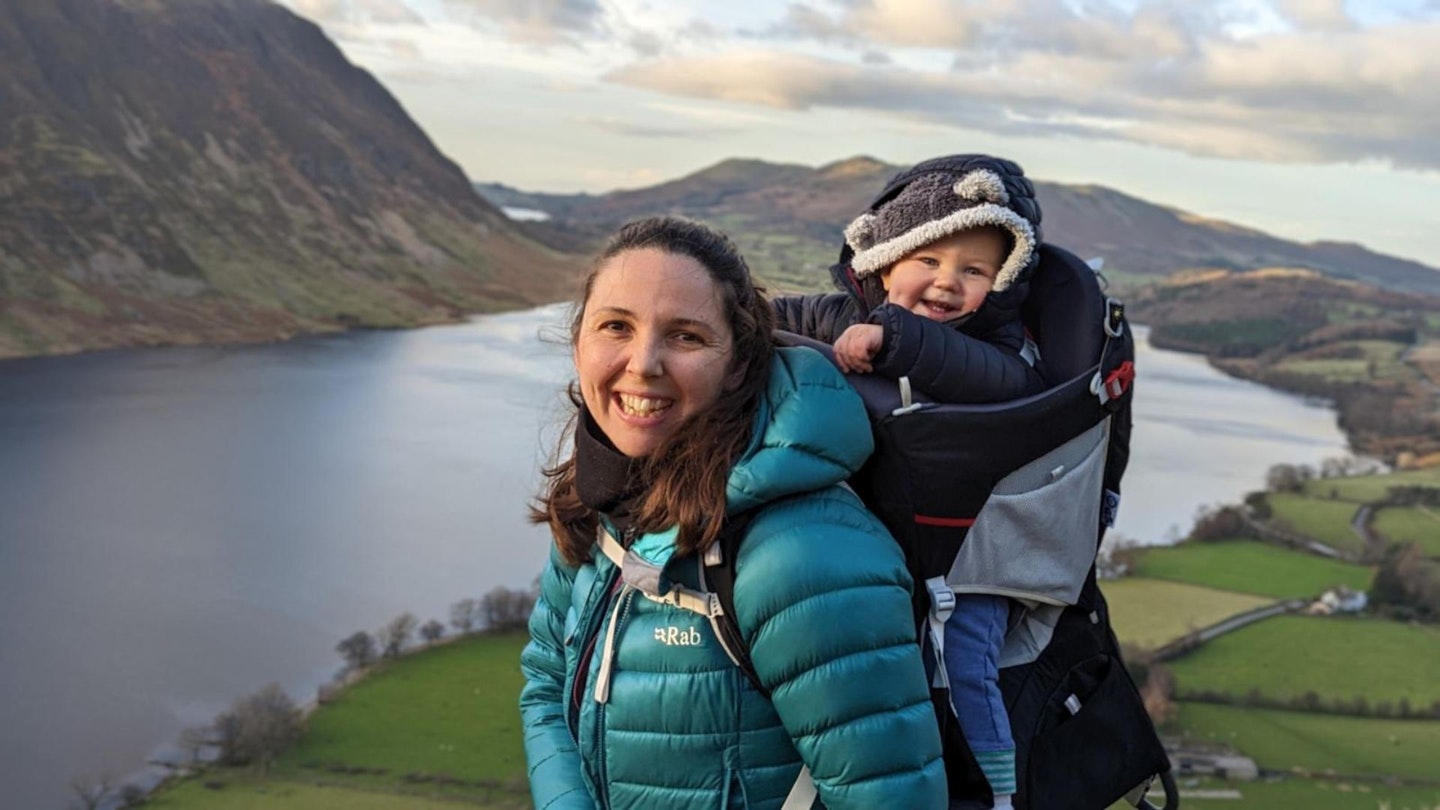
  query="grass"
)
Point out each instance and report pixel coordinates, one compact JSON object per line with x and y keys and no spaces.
{"x":1378,"y":359}
{"x":1312,"y":794}
{"x":1149,"y":612}
{"x":1247,"y":566}
{"x":1281,"y":741}
{"x":1320,"y":519}
{"x":1370,"y":488}
{"x":432,"y":729}
{"x":1411,"y":525}
{"x":452,"y":710}
{"x":1336,"y":658}
{"x":244,"y":792}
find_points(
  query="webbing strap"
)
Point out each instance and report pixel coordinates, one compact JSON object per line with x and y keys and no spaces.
{"x":907,"y":399}
{"x":802,"y":793}
{"x":701,"y":602}
{"x":942,"y":604}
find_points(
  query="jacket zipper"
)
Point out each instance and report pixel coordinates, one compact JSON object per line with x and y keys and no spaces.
{"x":626,"y":598}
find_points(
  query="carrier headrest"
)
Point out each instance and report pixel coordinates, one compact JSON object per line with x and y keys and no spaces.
{"x":1063,"y":312}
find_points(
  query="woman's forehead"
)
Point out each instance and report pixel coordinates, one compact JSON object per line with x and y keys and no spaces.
{"x":654,"y":283}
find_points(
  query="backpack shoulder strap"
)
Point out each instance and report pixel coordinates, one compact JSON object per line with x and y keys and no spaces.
{"x":719,"y":578}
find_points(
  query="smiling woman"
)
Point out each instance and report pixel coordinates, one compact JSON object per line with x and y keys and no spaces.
{"x":688,"y":416}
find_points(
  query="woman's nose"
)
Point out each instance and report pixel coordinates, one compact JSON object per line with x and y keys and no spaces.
{"x":645,"y":359}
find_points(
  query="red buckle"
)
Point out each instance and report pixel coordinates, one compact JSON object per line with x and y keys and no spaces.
{"x":1119,"y":380}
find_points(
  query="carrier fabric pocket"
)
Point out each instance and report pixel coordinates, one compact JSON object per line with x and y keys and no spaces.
{"x":1035,"y":537}
{"x":1082,"y":755}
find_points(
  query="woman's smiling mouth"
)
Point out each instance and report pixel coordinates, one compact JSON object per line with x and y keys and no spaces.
{"x":642,"y":407}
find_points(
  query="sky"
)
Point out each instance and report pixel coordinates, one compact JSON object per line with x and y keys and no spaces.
{"x":1309,"y":119}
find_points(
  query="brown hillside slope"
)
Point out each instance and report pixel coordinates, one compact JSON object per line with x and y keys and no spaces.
{"x":789,"y":219}
{"x":178,"y":171}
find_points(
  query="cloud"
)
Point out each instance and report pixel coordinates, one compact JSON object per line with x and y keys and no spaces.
{"x":1173,"y":74}
{"x":1321,"y":15}
{"x":541,"y":22}
{"x":357,"y":12}
{"x":636,"y":129}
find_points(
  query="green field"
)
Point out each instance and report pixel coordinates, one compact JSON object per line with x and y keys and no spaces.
{"x":1248,"y":566}
{"x":242,"y":792}
{"x":1321,"y":519}
{"x":436,"y":727}
{"x":1311,"y":794}
{"x":1150,"y":612}
{"x":1287,"y":656}
{"x":1370,"y":488}
{"x":1381,"y":357}
{"x":1419,"y":525}
{"x":1280,"y":740}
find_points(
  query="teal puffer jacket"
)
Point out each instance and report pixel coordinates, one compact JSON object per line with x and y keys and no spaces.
{"x":664,"y":719}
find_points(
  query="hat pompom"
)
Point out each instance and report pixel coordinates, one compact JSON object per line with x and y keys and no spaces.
{"x":860,"y":234}
{"x":982,"y":185}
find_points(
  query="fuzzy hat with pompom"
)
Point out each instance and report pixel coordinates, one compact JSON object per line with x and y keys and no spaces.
{"x":933,"y":206}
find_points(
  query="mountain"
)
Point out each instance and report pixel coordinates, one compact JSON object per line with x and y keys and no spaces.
{"x":182,"y":171}
{"x":789,"y":218}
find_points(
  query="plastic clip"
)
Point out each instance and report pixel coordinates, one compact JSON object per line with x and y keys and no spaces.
{"x":1114,"y":317}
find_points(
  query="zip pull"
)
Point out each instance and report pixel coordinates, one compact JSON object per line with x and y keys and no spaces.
{"x":607,"y":653}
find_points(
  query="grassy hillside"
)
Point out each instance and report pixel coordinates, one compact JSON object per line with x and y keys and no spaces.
{"x":1324,"y":520}
{"x":1280,"y":741}
{"x":1247,"y":566}
{"x":1336,"y":658}
{"x":434,"y":729}
{"x":1150,"y":612}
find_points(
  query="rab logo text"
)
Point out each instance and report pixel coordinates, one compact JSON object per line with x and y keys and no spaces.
{"x":672,"y":636}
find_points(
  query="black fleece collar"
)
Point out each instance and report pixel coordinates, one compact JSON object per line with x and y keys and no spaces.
{"x":605,"y":478}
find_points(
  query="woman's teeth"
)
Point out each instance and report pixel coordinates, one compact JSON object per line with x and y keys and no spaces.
{"x":642,"y":406}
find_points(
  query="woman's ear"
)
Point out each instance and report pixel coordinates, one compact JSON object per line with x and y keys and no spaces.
{"x":885,"y":278}
{"x":734,"y":378}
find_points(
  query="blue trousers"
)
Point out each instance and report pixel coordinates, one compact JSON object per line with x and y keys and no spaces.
{"x":973,"y":637}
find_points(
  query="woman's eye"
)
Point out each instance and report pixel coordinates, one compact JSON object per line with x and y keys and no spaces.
{"x":689,"y":338}
{"x":613,"y":326}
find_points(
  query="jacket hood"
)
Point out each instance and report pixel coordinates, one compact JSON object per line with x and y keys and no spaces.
{"x":1019,"y":195}
{"x":811,"y":432}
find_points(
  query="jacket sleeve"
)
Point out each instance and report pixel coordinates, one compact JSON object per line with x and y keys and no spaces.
{"x":822,"y":597}
{"x":948,"y":365}
{"x":556,"y":782}
{"x":821,"y":316}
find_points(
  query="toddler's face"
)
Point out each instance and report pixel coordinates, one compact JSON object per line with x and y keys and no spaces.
{"x":949,"y":277}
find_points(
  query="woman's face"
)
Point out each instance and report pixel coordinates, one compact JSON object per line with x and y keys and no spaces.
{"x":654,"y":347}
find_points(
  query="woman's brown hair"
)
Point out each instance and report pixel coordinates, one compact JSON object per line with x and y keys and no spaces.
{"x":683,"y":481}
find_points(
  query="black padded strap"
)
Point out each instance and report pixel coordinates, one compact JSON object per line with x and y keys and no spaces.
{"x":720,"y":580}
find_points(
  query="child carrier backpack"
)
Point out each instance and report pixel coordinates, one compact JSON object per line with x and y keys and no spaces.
{"x":1041,"y":483}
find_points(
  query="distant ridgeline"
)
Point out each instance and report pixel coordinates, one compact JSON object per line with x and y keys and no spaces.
{"x":179,"y":171}
{"x":1327,"y":319}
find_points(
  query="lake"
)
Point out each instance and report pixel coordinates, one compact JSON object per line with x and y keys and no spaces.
{"x":179,"y":527}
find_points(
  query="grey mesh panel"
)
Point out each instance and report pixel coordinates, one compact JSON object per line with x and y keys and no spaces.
{"x":1030,"y":637}
{"x":1035,"y":537}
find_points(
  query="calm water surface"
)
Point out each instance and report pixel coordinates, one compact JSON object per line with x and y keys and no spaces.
{"x":181,"y":526}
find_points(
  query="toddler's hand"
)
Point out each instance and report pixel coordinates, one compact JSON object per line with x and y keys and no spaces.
{"x":857,"y":345}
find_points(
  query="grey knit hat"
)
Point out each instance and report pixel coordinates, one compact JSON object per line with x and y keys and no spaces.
{"x":934,"y":206}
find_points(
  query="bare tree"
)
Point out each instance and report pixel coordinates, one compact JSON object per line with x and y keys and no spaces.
{"x":358,"y":649}
{"x":92,"y":791}
{"x":195,"y":739}
{"x":394,"y":636}
{"x":258,"y":728}
{"x":463,"y":615}
{"x":132,"y":796}
{"x":505,"y":609}
{"x":432,"y":630}
{"x":1288,"y":477}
